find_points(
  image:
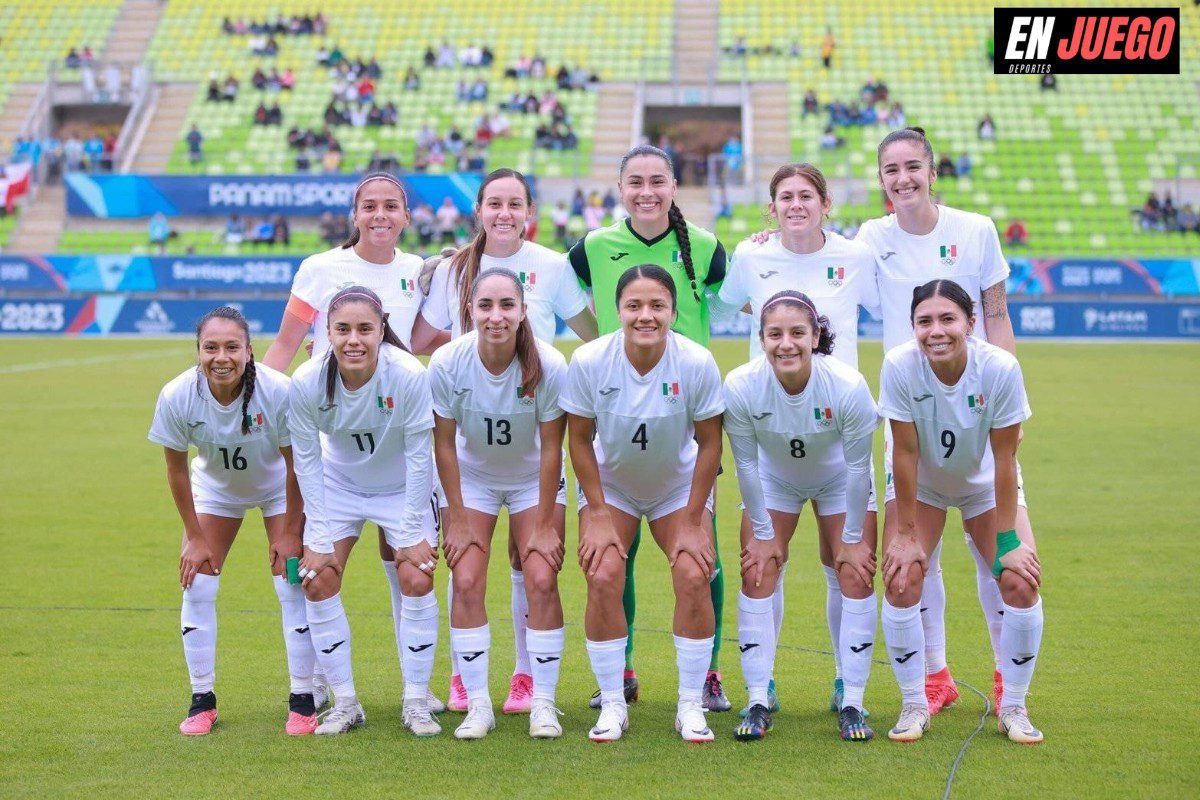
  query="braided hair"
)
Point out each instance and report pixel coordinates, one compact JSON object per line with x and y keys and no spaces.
{"x":249,"y":374}
{"x":674,"y":215}
{"x":355,"y":294}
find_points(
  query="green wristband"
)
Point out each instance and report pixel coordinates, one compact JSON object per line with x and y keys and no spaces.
{"x":1006,"y":542}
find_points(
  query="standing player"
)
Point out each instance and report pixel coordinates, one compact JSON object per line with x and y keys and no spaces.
{"x":244,"y":460}
{"x":839,"y":276}
{"x":503,"y":206}
{"x":920,"y":242}
{"x":655,"y":232}
{"x":800,"y":426}
{"x":955,"y":405}
{"x":645,"y":436}
{"x":370,"y":258}
{"x":362,"y":436}
{"x":498,"y":442}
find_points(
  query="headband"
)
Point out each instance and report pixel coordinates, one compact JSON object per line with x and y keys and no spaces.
{"x":381,"y":176}
{"x":370,"y":298}
{"x":801,"y":300}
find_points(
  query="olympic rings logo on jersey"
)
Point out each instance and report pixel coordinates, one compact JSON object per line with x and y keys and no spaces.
{"x":255,"y":422}
{"x":670,"y":392}
{"x":823,"y":416}
{"x":976,"y":403}
{"x":528,"y":281}
{"x":836,"y":276}
{"x":407,"y":287}
{"x":948,"y":254}
{"x":385,"y":404}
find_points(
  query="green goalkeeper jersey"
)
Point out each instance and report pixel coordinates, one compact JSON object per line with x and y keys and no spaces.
{"x":601,"y":257}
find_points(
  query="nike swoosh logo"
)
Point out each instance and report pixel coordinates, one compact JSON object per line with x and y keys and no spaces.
{"x":887,"y":255}
{"x":609,"y":390}
{"x":420,"y":647}
{"x":745,"y":647}
{"x":187,"y":630}
{"x":472,"y":656}
{"x":617,"y":257}
{"x":861,"y":647}
{"x":547,"y":660}
{"x":902,"y":659}
{"x":761,"y":416}
{"x":925,"y":396}
{"x":598,"y":732}
{"x":460,"y":392}
{"x":333,"y":647}
{"x":702,"y":732}
{"x":301,"y":630}
{"x":768,"y":273}
{"x":1020,"y":661}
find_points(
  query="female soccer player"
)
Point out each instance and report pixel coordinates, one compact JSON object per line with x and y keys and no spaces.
{"x":362,"y":440}
{"x":955,"y":405}
{"x":839,"y":275}
{"x":655,"y":232}
{"x":800,"y":426}
{"x":235,"y":414}
{"x":923,"y":241}
{"x":370,"y":258}
{"x":498,"y":442}
{"x":645,"y":437}
{"x":503,"y":205}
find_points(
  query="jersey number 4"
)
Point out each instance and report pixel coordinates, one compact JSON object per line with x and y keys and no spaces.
{"x":639,"y":436}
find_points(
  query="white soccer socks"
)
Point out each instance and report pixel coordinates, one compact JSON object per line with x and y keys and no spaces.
{"x":330,"y":632}
{"x":545,"y":650}
{"x":418,"y":643}
{"x":471,"y":646}
{"x":858,"y":622}
{"x":756,"y":640}
{"x":692,"y":657}
{"x":519,"y":604}
{"x":198,"y":624}
{"x":905,"y":638}
{"x":1020,"y":640}
{"x":608,"y":665}
{"x":833,"y":615}
{"x":933,"y":613}
{"x":777,"y":602}
{"x":301,"y":657}
{"x":990,"y":601}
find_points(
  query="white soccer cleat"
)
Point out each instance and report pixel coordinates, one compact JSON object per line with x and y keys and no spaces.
{"x":436,"y":706}
{"x":418,"y":718}
{"x":1014,"y":723}
{"x":913,"y":722}
{"x":479,"y":722}
{"x":691,"y":724}
{"x":613,"y":721}
{"x":341,"y":719}
{"x":543,"y":719}
{"x":322,"y":694}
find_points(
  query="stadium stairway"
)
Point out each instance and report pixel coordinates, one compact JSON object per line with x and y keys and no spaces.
{"x":42,"y":221}
{"x":20,"y":101}
{"x":170,"y":113}
{"x":770,"y":137}
{"x":695,"y":45}
{"x":134,"y":28}
{"x":699,"y":204}
{"x":614,"y":135}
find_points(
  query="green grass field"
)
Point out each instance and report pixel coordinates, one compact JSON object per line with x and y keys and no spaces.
{"x":94,"y":683}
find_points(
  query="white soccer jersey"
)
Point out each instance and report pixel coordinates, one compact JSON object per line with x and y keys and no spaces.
{"x":374,"y":440}
{"x":644,"y":423}
{"x":800,"y":436}
{"x":323,"y":275}
{"x":550,"y":288}
{"x":229,"y":466}
{"x":953,"y":422}
{"x":498,"y":442}
{"x":839,"y":278}
{"x":962,"y":246}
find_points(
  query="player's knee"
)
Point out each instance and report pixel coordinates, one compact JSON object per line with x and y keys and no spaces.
{"x":414,"y":582}
{"x":468,"y":583}
{"x":540,"y":580}
{"x":608,"y":583}
{"x":1016,"y":591}
{"x":324,"y":586}
{"x":690,"y":580}
{"x":910,"y":595}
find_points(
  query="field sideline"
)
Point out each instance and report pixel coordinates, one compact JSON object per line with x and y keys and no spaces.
{"x":94,"y":684}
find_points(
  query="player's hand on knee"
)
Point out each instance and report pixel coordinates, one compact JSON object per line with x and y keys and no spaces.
{"x":600,"y":535}
{"x":545,"y":542}
{"x":756,"y":555}
{"x":196,"y":553}
{"x":696,"y":542}
{"x":313,"y":564}
{"x":859,"y":558}
{"x":421,"y":555}
{"x":902,"y":561}
{"x":1024,"y":563}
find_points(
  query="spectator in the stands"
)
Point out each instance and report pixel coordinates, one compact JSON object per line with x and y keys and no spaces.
{"x":945,"y":168}
{"x":86,"y":58}
{"x":560,"y":216}
{"x":412,"y":80}
{"x":214,"y":91}
{"x":195,"y":145}
{"x":235,"y":230}
{"x":72,"y":61}
{"x":479,"y":90}
{"x":445,"y":56}
{"x":93,"y":148}
{"x":303,"y":160}
{"x":73,"y":153}
{"x":429,"y":58}
{"x":1049,"y":82}
{"x":828,"y":45}
{"x":327,"y":229}
{"x":447,"y":220}
{"x":964,"y":165}
{"x":537,"y":67}
{"x":264,"y":233}
{"x":470,"y":56}
{"x":283,"y":232}
{"x":987,"y":128}
{"x":366,"y":90}
{"x":287,"y":81}
{"x":794,"y":49}
{"x":108,"y":157}
{"x":424,"y":222}
{"x":811,"y":104}
{"x":229,"y":94}
{"x":1187,"y":220}
{"x":259,"y":79}
{"x":261,"y":114}
{"x":331,"y":162}
{"x":486,"y":57}
{"x":896,"y":118}
{"x":830,"y":140}
{"x":373,"y":70}
{"x":1016,"y":234}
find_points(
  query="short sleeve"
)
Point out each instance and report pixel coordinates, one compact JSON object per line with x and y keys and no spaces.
{"x":993,"y":268}
{"x":304,"y":284}
{"x":707,"y":400}
{"x":1009,"y":403}
{"x":569,"y":297}
{"x":436,"y":308}
{"x":733,"y":290}
{"x":549,"y":397}
{"x":893,"y":394}
{"x":576,"y":397}
{"x":168,"y":429}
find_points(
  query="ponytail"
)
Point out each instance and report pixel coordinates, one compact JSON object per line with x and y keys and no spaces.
{"x":464,"y":271}
{"x":679,"y":225}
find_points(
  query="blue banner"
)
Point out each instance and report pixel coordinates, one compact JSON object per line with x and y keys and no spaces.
{"x":1170,"y":277}
{"x":133,"y":196}
{"x":129,"y":273}
{"x":114,"y":313}
{"x":1081,"y":319}
{"x":30,"y":273}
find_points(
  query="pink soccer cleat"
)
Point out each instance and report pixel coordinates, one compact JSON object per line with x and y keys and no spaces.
{"x":457,"y":701}
{"x":520,"y":694}
{"x":940,"y":690}
{"x":202,"y":715}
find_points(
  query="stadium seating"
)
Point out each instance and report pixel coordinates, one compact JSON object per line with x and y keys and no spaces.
{"x":1073,"y":163}
{"x":190,"y":44}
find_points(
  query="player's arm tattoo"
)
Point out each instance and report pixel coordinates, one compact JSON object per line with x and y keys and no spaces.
{"x":995,"y":302}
